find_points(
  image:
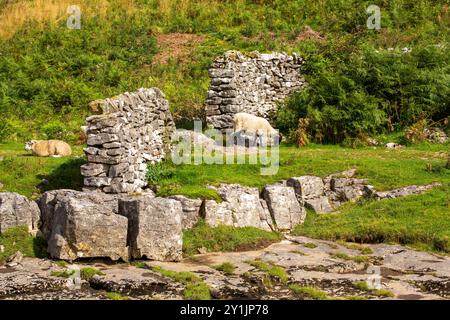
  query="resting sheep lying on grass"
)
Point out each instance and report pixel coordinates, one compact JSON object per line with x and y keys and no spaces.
{"x":248,"y":124}
{"x":49,"y":148}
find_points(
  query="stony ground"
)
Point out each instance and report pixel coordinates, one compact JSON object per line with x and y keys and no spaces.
{"x":327,"y":266}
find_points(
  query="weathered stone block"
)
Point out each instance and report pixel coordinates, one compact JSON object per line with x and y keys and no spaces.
{"x":17,"y":210}
{"x":155,"y":227}
{"x":83,"y":227}
{"x":284,"y":206}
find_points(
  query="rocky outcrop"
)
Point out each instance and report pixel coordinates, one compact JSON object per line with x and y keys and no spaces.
{"x":241,"y":207}
{"x":84,"y":225}
{"x":250,"y":83}
{"x":403,"y":192}
{"x":284,"y":207}
{"x":17,"y":210}
{"x":49,"y":200}
{"x":191,"y":210}
{"x":154,"y":227}
{"x":131,"y":130}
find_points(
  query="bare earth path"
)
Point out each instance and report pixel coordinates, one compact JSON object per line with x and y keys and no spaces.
{"x":325,"y":265}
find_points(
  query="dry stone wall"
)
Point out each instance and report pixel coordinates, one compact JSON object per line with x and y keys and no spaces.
{"x":131,"y":130}
{"x":252,"y":84}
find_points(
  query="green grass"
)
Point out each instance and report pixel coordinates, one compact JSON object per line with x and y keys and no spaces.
{"x":115,"y":296}
{"x":226,"y":267}
{"x":356,"y":246}
{"x":225,"y":238}
{"x":421,"y":221}
{"x":182,"y":277}
{"x":362,"y":285}
{"x":310,"y":245}
{"x":88,"y":272}
{"x":19,"y":239}
{"x":62,"y":274}
{"x":139,"y":264}
{"x":343,"y":256}
{"x":197,"y":291}
{"x":309,"y":292}
{"x":275,"y":272}
{"x":22,"y":173}
{"x":195,"y":288}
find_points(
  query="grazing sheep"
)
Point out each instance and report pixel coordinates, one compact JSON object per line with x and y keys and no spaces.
{"x":49,"y":148}
{"x":248,"y":124}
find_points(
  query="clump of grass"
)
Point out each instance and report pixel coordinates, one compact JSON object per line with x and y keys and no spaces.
{"x":354,"y":298}
{"x":226,"y":267}
{"x":299,"y":252}
{"x":61,"y":263}
{"x":182,"y":277}
{"x":63,"y":274}
{"x":197,"y":291}
{"x":356,"y":246}
{"x":310,"y":292}
{"x":139,"y":264}
{"x":88,"y":272}
{"x":19,"y":239}
{"x":344,"y":256}
{"x":273,"y":271}
{"x":363,"y":286}
{"x":115,"y":296}
{"x":310,"y":245}
{"x":226,"y":238}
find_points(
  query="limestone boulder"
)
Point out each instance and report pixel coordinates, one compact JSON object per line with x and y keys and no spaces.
{"x":307,"y":187}
{"x":284,"y":207}
{"x":191,"y":210}
{"x":85,"y":226}
{"x":241,"y":207}
{"x":155,"y":227}
{"x":48,"y":201}
{"x":17,"y":210}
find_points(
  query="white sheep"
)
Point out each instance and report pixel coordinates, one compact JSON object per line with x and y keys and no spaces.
{"x":248,"y":124}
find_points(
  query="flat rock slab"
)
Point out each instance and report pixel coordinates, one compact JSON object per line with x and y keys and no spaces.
{"x":406,"y":273}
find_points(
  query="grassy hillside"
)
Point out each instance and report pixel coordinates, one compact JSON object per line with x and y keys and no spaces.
{"x":49,"y":73}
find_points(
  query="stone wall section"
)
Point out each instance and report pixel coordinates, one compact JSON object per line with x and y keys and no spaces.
{"x":253,"y":83}
{"x":131,"y":130}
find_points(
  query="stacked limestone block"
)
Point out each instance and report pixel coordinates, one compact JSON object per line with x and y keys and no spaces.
{"x":253,"y":84}
{"x":131,"y":130}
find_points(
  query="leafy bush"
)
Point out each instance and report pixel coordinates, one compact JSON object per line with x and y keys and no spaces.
{"x":368,"y":91}
{"x":159,"y":171}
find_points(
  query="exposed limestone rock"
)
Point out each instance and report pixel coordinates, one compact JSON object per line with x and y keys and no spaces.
{"x":133,"y":129}
{"x":154,"y":228}
{"x":242,"y":207}
{"x":406,"y":191}
{"x":17,"y":210}
{"x":50,"y":199}
{"x":85,"y":225}
{"x":218,"y":213}
{"x":252,"y":84}
{"x":191,"y":210}
{"x":307,"y":187}
{"x":284,"y":206}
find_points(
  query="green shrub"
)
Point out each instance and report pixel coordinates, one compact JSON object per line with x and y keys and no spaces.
{"x":159,"y":171}
{"x":367,"y":91}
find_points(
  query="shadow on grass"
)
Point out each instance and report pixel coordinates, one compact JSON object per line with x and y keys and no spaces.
{"x":65,"y":176}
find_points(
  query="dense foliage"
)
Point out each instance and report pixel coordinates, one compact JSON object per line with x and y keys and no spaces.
{"x":49,"y":73}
